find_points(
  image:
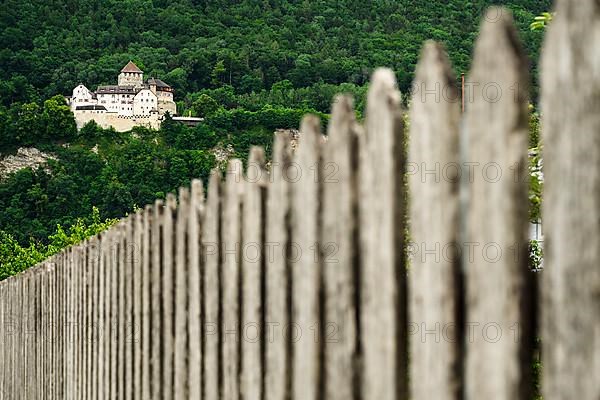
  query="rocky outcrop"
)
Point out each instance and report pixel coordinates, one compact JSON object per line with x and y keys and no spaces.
{"x":26,"y":157}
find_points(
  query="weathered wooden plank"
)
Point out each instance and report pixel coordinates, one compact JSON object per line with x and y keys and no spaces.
{"x":60,"y":338}
{"x":571,"y":276}
{"x":138,"y":318}
{"x":105,"y":331}
{"x":212,"y":288}
{"x":277,"y":302}
{"x":42,"y":325}
{"x":195,"y":299}
{"x":31,"y":333}
{"x":498,"y":282}
{"x":20,"y":348}
{"x":230,"y":250}
{"x":13,"y":318}
{"x":5,"y":303}
{"x":40,"y":296}
{"x":71,"y":387}
{"x":4,"y":300}
{"x":383,"y":275}
{"x":181,"y":382}
{"x":28,"y":335}
{"x":40,"y":334}
{"x":122,"y":314}
{"x":114,"y":312}
{"x":23,"y":339}
{"x":252,"y":258}
{"x":17,"y":340}
{"x":17,"y":357}
{"x":60,"y":335}
{"x":51,"y":363}
{"x":43,"y":333}
{"x":340,"y":253}
{"x":39,"y":320}
{"x":85,"y":319}
{"x":3,"y":348}
{"x":54,"y":361}
{"x":11,"y":375}
{"x":51,"y":353}
{"x":129,"y":339}
{"x":52,"y":356}
{"x":435,"y":278}
{"x":156,"y":273}
{"x":88,"y":339}
{"x":82,"y":320}
{"x":75,"y":321}
{"x":101,"y":297}
{"x":306,"y":262}
{"x":93,"y":317}
{"x":168,"y":282}
{"x":35,"y":335}
{"x":146,"y":317}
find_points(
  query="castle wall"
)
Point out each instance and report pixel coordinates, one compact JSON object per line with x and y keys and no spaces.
{"x":164,"y":106}
{"x":120,"y":123}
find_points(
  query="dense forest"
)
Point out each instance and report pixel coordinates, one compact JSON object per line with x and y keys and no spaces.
{"x":248,"y":67}
{"x":49,"y":46}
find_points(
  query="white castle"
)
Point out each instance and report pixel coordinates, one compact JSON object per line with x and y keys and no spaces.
{"x":130,"y":103}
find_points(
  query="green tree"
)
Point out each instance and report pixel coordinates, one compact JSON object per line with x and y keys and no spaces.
{"x":58,"y":120}
{"x":205,"y":106}
{"x":218,"y":73}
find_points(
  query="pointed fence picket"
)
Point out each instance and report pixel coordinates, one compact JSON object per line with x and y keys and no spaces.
{"x":362,"y":265}
{"x":435,"y":277}
{"x":498,"y":282}
{"x":252,"y":278}
{"x":570,"y":283}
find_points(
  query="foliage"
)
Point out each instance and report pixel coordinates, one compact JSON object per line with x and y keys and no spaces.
{"x":29,"y":124}
{"x":112,"y":172}
{"x":536,"y":255}
{"x":205,"y":105}
{"x":541,"y":21}
{"x":536,"y":181}
{"x":48,"y":47}
{"x":15,"y":258}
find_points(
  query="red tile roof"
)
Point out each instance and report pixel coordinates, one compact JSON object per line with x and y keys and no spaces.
{"x":131,"y":67}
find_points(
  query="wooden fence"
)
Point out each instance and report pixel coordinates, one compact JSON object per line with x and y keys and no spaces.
{"x":296,"y":283}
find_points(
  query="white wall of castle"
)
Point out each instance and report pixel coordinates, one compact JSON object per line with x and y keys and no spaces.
{"x":81,"y":97}
{"x":117,"y":102}
{"x":145,"y":102}
{"x":120,"y":123}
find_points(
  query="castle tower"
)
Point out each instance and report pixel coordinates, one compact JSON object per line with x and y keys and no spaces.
{"x":131,"y":75}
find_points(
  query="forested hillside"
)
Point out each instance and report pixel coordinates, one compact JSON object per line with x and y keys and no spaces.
{"x":49,"y":46}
